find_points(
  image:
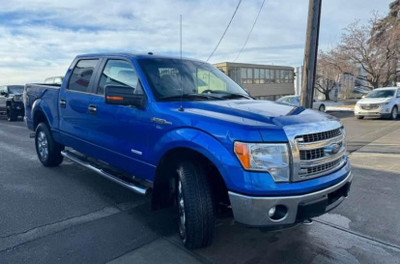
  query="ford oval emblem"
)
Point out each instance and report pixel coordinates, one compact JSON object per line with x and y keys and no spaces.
{"x":332,"y":149}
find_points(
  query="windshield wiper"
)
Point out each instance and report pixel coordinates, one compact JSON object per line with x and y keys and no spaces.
{"x":228,"y":95}
{"x":233,"y":96}
{"x":189,"y":96}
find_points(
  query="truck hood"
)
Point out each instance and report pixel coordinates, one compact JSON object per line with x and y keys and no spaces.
{"x":256,"y":112}
{"x":246,"y":120}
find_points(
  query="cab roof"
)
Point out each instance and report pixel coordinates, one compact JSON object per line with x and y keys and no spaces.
{"x":130,"y":55}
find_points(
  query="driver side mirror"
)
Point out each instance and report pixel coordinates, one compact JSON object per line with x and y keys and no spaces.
{"x":124,"y":95}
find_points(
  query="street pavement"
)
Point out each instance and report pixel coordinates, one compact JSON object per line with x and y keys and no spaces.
{"x":71,"y":215}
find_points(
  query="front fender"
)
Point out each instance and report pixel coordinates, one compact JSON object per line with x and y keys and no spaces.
{"x":197,"y":140}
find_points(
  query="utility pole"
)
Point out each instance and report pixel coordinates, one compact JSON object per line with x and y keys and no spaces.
{"x":311,"y":53}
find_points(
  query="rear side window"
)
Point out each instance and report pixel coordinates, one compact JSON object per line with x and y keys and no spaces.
{"x":81,"y":75}
{"x":119,"y":73}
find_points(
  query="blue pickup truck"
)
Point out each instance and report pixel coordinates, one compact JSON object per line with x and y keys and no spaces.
{"x":183,"y":132}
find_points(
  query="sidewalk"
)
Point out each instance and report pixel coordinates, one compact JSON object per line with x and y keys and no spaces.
{"x":357,"y":231}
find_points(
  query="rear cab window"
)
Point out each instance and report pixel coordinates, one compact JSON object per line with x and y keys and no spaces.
{"x":81,"y":75}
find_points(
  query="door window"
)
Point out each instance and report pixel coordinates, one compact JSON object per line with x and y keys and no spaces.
{"x":81,"y":75}
{"x":119,"y":73}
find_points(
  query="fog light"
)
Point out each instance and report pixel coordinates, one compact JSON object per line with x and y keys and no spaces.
{"x":278,"y":213}
{"x":271,"y":211}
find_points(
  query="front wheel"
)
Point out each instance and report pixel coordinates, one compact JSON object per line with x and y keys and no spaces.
{"x":360,"y":117}
{"x":48,"y":151}
{"x":394,"y":113}
{"x":322,"y":108}
{"x":196,"y":206}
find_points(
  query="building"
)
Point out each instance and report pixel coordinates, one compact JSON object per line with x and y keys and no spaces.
{"x":268,"y":82}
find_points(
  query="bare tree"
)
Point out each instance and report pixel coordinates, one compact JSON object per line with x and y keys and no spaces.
{"x":331,"y":69}
{"x":376,"y":56}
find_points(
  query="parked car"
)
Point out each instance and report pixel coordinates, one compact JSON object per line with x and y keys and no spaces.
{"x":54,"y":80}
{"x":184,"y":132}
{"x":11,"y":103}
{"x":381,"y":102}
{"x":295,"y":100}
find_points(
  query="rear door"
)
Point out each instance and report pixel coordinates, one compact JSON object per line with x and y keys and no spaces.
{"x":74,"y":102}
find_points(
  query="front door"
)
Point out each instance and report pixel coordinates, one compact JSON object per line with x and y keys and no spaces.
{"x":121,"y":130}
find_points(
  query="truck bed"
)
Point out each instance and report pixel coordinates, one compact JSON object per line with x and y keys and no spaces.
{"x":38,"y":91}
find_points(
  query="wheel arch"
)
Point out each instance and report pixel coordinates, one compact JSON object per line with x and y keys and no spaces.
{"x":164,"y":181}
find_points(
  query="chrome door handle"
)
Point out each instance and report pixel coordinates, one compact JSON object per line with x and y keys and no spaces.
{"x":63,"y":103}
{"x":92,"y":109}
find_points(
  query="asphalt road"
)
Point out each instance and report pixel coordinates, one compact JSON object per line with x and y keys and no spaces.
{"x":71,"y":215}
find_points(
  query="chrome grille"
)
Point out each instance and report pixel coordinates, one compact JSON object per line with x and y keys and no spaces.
{"x":320,"y":168}
{"x":311,"y":154}
{"x":369,"y":106}
{"x":318,"y":154}
{"x":319,"y":136}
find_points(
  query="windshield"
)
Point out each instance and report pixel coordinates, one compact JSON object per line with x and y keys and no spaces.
{"x":174,"y":79}
{"x":381,"y":94}
{"x":15,"y":89}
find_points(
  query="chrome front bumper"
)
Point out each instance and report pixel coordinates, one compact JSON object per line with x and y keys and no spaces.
{"x":253,"y":211}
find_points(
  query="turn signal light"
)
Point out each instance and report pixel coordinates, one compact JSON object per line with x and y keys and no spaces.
{"x":243,"y":153}
{"x":115,"y":98}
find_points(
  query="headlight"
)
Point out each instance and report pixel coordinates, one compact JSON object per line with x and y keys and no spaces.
{"x":272,"y":158}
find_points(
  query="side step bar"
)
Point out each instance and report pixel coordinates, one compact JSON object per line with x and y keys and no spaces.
{"x":136,"y":187}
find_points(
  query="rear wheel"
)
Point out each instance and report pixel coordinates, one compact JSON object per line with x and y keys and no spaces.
{"x":11,"y":115}
{"x":48,"y":151}
{"x":322,"y":108}
{"x":360,"y":117}
{"x":196,"y":206}
{"x":394,"y":113}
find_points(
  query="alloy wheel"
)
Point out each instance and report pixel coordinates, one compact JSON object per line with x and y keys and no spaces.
{"x":42,"y":146}
{"x":181,"y":211}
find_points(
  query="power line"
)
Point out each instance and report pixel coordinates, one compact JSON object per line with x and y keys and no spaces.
{"x":251,"y":30}
{"x":226,"y":29}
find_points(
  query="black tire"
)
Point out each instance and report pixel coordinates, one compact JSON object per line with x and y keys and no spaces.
{"x":198,"y":207}
{"x":322,"y":108}
{"x":48,"y":151}
{"x":11,"y":115}
{"x":360,"y":117}
{"x":394,"y":114}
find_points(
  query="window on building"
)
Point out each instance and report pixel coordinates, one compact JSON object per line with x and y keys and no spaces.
{"x":247,"y":75}
{"x":262,"y":76}
{"x":256,"y":75}
{"x":273,"y":76}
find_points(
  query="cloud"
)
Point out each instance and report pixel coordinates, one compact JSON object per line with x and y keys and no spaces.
{"x":39,"y":38}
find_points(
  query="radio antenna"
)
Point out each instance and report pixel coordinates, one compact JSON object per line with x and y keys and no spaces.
{"x":181,"y":107}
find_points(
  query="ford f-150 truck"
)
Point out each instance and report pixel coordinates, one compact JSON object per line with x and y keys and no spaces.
{"x":183,"y":132}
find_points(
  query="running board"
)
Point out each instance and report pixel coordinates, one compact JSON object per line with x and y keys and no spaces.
{"x":136,"y":187}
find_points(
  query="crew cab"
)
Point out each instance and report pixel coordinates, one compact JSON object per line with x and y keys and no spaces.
{"x":11,"y":104}
{"x":381,"y":102}
{"x":183,"y":132}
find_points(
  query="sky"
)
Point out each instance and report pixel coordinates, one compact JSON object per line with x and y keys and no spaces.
{"x":40,"y":38}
